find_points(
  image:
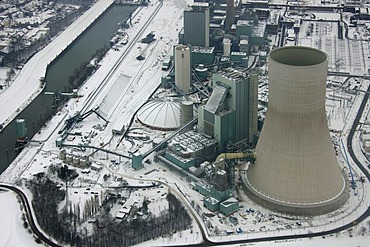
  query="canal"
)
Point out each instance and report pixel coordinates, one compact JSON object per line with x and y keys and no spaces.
{"x":80,"y":51}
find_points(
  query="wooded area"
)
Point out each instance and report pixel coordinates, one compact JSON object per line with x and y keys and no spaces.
{"x":66,"y":226}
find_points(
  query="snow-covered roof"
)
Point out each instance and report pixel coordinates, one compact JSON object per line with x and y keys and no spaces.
{"x":161,"y":113}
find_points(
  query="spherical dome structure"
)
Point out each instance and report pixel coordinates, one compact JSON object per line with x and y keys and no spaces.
{"x":161,"y":114}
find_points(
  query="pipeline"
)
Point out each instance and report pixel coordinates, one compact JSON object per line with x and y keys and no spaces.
{"x":249,"y":154}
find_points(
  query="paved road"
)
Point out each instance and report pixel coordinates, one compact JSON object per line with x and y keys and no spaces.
{"x":29,"y":215}
{"x":352,"y":132}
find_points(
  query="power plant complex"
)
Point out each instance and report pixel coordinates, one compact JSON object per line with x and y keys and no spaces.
{"x":239,"y":123}
{"x":293,"y":167}
{"x":283,"y":160}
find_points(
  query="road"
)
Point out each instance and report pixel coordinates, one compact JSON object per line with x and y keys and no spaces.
{"x":29,"y":215}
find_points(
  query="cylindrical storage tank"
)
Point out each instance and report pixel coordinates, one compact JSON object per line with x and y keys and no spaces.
{"x":296,"y":170}
{"x":220,"y":180}
{"x":69,"y":159}
{"x":62,"y":154}
{"x":227,"y":47}
{"x":201,"y":72}
{"x":182,"y":68}
{"x":84,"y":162}
{"x":76,"y":160}
{"x":157,"y":141}
{"x":186,"y":112}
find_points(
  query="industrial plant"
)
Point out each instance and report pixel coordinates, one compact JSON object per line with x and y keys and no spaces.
{"x":240,"y":121}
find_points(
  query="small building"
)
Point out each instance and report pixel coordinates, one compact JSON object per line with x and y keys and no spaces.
{"x":184,"y":163}
{"x":238,"y":56}
{"x":202,"y":55}
{"x":244,"y":45}
{"x":96,"y":167}
{"x":366,"y":146}
{"x":120,"y":215}
{"x":229,"y":206}
{"x":202,"y":189}
{"x":197,"y":171}
{"x":211,"y":203}
{"x":137,"y":161}
{"x":167,"y":63}
{"x":365,"y":137}
{"x":258,"y":34}
{"x":365,"y":130}
{"x":59,"y":141}
{"x":220,"y":195}
{"x":244,"y":27}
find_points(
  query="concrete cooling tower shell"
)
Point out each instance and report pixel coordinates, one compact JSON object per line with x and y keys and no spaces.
{"x":296,"y":170}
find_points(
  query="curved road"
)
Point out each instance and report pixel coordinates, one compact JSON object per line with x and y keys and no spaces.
{"x":29,"y":215}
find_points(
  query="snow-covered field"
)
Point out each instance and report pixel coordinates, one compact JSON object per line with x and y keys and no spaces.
{"x":13,"y":234}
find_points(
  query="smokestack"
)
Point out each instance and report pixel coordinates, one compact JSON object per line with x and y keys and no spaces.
{"x":230,"y":14}
{"x":296,"y":170}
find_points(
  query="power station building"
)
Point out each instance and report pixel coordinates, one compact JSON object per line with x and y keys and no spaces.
{"x":230,"y":114}
{"x":196,"y":25}
{"x":296,"y":170}
{"x":230,"y":14}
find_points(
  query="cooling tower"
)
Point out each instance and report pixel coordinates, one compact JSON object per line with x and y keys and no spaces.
{"x":296,"y":170}
{"x":182,"y":68}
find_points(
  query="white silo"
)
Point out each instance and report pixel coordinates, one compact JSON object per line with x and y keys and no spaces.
{"x":227,"y":47}
{"x":296,"y":170}
{"x":186,"y":112}
{"x":182,"y":68}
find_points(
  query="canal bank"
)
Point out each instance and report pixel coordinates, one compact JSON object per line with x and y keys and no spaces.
{"x":96,"y":36}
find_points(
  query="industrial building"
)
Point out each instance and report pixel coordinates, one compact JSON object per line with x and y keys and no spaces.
{"x":196,"y":25}
{"x":296,"y":170}
{"x":190,"y":149}
{"x":218,"y":197}
{"x":202,"y":55}
{"x":230,"y":115}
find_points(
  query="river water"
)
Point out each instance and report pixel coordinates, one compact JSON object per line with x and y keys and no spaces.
{"x":94,"y":38}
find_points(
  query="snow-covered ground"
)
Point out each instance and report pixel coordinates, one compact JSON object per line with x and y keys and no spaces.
{"x":11,"y":225}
